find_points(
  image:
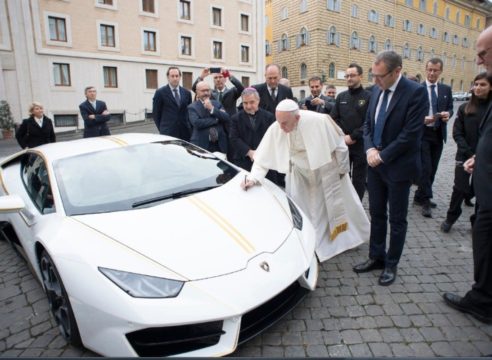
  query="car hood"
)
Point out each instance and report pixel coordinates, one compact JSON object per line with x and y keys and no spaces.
{"x":204,"y":235}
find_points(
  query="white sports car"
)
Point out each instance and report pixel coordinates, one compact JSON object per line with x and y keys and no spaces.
{"x":147,"y":246}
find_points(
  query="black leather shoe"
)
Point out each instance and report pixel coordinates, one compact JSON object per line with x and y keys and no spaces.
{"x":432,"y":204}
{"x":469,"y":203}
{"x":368,"y":265}
{"x":445,"y":226}
{"x":426,"y":211}
{"x":456,"y":302}
{"x":388,"y":276}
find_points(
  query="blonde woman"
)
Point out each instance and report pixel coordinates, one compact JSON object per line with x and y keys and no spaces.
{"x":37,"y":129}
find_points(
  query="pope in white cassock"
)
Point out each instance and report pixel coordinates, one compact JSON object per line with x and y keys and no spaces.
{"x":310,"y":149}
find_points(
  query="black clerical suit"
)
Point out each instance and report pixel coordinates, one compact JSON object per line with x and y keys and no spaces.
{"x":269,"y":103}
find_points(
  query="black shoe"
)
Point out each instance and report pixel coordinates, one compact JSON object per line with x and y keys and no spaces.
{"x":426,"y":211}
{"x":456,"y":302}
{"x":368,"y":265}
{"x":469,"y":203}
{"x":388,"y":276}
{"x":432,"y":204}
{"x":446,"y":226}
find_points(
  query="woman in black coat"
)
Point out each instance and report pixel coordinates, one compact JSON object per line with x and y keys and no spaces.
{"x":465,"y":133}
{"x":35,"y":130}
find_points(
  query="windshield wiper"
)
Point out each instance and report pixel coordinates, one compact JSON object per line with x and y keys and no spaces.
{"x":175,"y":195}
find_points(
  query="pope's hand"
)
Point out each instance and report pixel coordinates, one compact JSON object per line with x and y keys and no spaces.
{"x":246,"y":184}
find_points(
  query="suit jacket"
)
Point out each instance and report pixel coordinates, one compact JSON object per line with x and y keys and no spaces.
{"x":29,"y":134}
{"x":202,"y":120}
{"x":444,"y":103}
{"x":266,"y":101}
{"x":324,"y":109}
{"x":229,"y":94}
{"x":244,"y":136}
{"x":402,"y":131}
{"x":169,"y":117}
{"x":97,"y":126}
{"x":482,"y":173}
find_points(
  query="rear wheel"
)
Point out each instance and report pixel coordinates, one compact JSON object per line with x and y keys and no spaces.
{"x":58,"y":300}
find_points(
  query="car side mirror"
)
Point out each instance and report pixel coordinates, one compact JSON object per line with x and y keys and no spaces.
{"x":11,"y":203}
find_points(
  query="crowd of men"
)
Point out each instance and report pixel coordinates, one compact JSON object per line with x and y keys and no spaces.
{"x":385,"y":137}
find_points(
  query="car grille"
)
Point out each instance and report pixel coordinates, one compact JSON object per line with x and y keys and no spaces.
{"x":264,"y":316}
{"x":167,"y":341}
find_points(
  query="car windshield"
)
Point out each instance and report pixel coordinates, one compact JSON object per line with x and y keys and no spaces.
{"x":134,"y":176}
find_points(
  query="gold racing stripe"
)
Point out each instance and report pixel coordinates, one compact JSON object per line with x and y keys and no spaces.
{"x":223,"y":223}
{"x":116,"y":140}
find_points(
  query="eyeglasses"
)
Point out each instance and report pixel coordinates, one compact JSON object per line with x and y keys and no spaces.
{"x":349,"y":76}
{"x":482,"y":53}
{"x":380,"y":77}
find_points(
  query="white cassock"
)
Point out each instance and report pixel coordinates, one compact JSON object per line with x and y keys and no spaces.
{"x":314,"y":158}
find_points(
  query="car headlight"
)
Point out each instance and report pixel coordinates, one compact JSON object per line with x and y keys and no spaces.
{"x":296,"y":215}
{"x":143,"y":286}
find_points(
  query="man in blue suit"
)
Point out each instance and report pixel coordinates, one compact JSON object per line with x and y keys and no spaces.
{"x":208,"y":119}
{"x":392,"y":139}
{"x":435,"y":132}
{"x":95,"y":114}
{"x":170,"y":105}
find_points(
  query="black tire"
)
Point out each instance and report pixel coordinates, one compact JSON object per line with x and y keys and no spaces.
{"x":59,"y":301}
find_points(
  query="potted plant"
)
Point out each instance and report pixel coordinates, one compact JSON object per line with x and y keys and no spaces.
{"x":6,"y":120}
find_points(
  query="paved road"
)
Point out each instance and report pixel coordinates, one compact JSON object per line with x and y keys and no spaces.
{"x":348,"y":315}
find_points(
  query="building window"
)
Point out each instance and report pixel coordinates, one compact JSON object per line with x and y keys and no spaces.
{"x":303,"y":6}
{"x":423,"y":5}
{"x":433,"y":33}
{"x":61,"y":74}
{"x":467,"y":20}
{"x":149,"y":40}
{"x":107,"y":35}
{"x":244,"y":22}
{"x":65,"y":120}
{"x":105,"y":2}
{"x":457,"y":18}
{"x":245,"y":81}
{"x":434,"y":8}
{"x":354,"y":41}
{"x":184,"y":10}
{"x":304,"y":71}
{"x":456,"y":40}
{"x":432,"y":53}
{"x":406,"y":51}
{"x":186,"y":45}
{"x":333,"y":5}
{"x":373,"y":16}
{"x":151,"y":79}
{"x":372,"y":44}
{"x":58,"y":29}
{"x":420,"y":54}
{"x":421,"y":29}
{"x":409,"y":3}
{"x":303,"y":37}
{"x":285,"y":72}
{"x":355,"y":11}
{"x":387,"y":45}
{"x":284,"y":13}
{"x":244,"y":53}
{"x":331,"y":70}
{"x":333,"y":37}
{"x":268,"y":48}
{"x":446,"y":13}
{"x":370,"y":77}
{"x":148,"y":6}
{"x":407,"y":25}
{"x":445,"y":37}
{"x":217,"y":16}
{"x":217,"y":47}
{"x":110,"y":74}
{"x":478,"y":24}
{"x":453,"y":61}
{"x":187,"y":79}
{"x":389,"y":21}
{"x":465,"y":42}
{"x":284,"y":42}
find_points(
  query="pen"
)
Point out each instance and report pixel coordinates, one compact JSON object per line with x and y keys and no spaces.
{"x":245,"y":182}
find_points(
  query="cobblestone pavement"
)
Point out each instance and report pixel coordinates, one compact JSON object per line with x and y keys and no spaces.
{"x":349,"y":315}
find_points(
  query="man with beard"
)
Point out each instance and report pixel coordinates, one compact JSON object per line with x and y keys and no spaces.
{"x":349,"y":112}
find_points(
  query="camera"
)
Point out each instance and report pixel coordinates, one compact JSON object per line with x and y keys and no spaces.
{"x":215,"y":70}
{"x":307,"y":103}
{"x":437,"y":116}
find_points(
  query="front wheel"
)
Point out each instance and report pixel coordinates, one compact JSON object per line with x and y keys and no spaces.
{"x":58,"y":300}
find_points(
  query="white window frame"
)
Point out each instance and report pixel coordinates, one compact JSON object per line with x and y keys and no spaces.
{"x":105,"y":6}
{"x":157,"y":51}
{"x":116,"y":36}
{"x":303,"y":6}
{"x":284,"y":13}
{"x":118,"y":78}
{"x":354,"y":11}
{"x":52,"y":76}
{"x":145,"y":13}
{"x":241,"y":31}
{"x":222,"y":16}
{"x":178,"y":11}
{"x":68,"y":29}
{"x":180,"y":55}
{"x":372,"y":44}
{"x":212,"y":50}
{"x":250,"y":54}
{"x":333,"y":5}
{"x":373,"y":16}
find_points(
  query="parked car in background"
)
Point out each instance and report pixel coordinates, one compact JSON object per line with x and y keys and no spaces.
{"x":461,"y":96}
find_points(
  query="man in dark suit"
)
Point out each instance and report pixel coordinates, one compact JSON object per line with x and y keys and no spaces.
{"x":435,"y":131}
{"x":271,"y":92}
{"x":95,"y":114}
{"x":170,"y":107}
{"x":247,"y":129}
{"x":207,"y":118}
{"x":316,"y":101}
{"x":392,"y":137}
{"x":478,"y":300}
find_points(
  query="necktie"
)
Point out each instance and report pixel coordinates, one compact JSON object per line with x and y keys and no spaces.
{"x":434,"y":102}
{"x":176,"y":95}
{"x":220,"y":96}
{"x":274,"y":98}
{"x":378,"y":128}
